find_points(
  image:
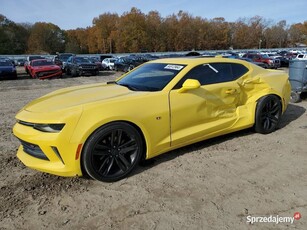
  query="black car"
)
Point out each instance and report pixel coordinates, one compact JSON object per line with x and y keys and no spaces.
{"x":76,"y":66}
{"x":123,"y":64}
{"x":61,"y":59}
{"x":126,"y":64}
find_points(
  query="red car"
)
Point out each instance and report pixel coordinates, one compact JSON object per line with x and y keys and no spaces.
{"x":43,"y":68}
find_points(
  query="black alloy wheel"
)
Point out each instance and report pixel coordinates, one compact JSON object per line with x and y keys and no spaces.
{"x":112,"y":152}
{"x":268,"y":114}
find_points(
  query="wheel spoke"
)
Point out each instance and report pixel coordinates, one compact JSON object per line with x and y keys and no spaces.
{"x":273,"y":119}
{"x":108,"y":169}
{"x":267,"y":124}
{"x":113,"y":137}
{"x":119,"y":137}
{"x":102,"y":147}
{"x":122,"y":164}
{"x":124,"y":160}
{"x":128,"y":149}
{"x":106,"y":160}
{"x":126,"y":144}
{"x":100,"y":153}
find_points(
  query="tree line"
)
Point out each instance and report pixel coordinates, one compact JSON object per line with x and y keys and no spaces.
{"x":134,"y":32}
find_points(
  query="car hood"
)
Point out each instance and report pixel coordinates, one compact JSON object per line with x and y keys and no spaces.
{"x":6,"y":68}
{"x":46,"y":67}
{"x":78,"y":96}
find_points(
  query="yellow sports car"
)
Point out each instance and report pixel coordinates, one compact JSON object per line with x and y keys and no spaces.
{"x":104,"y":130}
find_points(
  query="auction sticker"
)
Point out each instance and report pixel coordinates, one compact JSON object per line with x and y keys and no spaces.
{"x":174,"y":67}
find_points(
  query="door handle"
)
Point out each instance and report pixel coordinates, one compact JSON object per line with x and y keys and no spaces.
{"x":231,"y":91}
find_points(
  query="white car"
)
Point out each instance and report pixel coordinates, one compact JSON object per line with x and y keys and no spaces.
{"x":301,"y":57}
{"x":108,"y":63}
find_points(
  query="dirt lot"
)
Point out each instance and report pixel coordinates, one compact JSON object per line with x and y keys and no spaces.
{"x":213,"y":184}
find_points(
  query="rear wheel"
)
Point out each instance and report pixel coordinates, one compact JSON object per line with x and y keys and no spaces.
{"x":112,"y":152}
{"x":268,"y":114}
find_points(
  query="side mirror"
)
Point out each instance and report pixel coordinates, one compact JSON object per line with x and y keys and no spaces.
{"x":189,"y":84}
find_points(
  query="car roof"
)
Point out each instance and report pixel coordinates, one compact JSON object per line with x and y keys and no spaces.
{"x":196,"y":60}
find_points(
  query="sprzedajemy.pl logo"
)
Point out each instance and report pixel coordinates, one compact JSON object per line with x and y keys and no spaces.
{"x":273,"y":219}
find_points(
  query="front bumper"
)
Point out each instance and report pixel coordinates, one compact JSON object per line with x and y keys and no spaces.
{"x":52,"y":153}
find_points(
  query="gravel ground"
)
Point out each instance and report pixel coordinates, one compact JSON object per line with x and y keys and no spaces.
{"x":214,"y":184}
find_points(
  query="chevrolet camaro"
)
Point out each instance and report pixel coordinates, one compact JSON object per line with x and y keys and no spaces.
{"x":104,"y":130}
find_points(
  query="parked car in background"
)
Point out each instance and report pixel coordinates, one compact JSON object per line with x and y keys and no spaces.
{"x":76,"y":66}
{"x":124,"y":64}
{"x":104,"y":56}
{"x":20,"y":62}
{"x":43,"y":68}
{"x":29,"y":59}
{"x":301,"y":57}
{"x":251,"y":61}
{"x":7,"y":69}
{"x":96,"y":61}
{"x":61,"y":59}
{"x":128,"y":63}
{"x":108,"y":63}
{"x":269,"y":63}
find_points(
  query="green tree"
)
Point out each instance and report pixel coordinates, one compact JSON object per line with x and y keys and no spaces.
{"x":46,"y":38}
{"x":13,"y":37}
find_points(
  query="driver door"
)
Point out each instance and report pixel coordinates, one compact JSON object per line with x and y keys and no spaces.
{"x":211,"y":108}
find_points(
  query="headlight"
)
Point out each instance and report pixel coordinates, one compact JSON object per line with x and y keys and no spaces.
{"x":49,"y":128}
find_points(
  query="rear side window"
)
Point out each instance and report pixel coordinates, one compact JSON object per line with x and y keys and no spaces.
{"x":213,"y":73}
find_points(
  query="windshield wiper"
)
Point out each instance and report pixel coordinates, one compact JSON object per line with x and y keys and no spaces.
{"x":111,"y":82}
{"x":129,"y":87}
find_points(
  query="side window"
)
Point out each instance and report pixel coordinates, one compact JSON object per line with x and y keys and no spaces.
{"x":238,"y":70}
{"x":214,"y":73}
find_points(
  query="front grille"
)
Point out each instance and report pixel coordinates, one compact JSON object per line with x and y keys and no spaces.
{"x":33,"y":150}
{"x":46,"y":73}
{"x":88,"y":67}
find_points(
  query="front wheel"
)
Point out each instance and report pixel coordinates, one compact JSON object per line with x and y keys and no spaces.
{"x":74,"y":73}
{"x":268,"y":114}
{"x":112,"y":152}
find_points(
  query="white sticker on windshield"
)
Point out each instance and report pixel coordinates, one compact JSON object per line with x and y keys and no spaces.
{"x":174,"y":67}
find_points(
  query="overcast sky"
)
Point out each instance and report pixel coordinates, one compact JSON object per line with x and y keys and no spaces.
{"x":72,"y":14}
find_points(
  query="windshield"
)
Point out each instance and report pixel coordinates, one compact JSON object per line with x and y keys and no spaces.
{"x":5,"y":63}
{"x":42,"y":63}
{"x":151,"y":76}
{"x":265,"y":56}
{"x":82,"y":60}
{"x":64,"y":57}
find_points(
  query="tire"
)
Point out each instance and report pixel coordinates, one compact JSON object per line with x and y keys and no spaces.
{"x":266,"y":66}
{"x":67,"y":71}
{"x":268,"y":114}
{"x":112,"y":152}
{"x":95,"y":73}
{"x":74,"y":73}
{"x":295,"y":97}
